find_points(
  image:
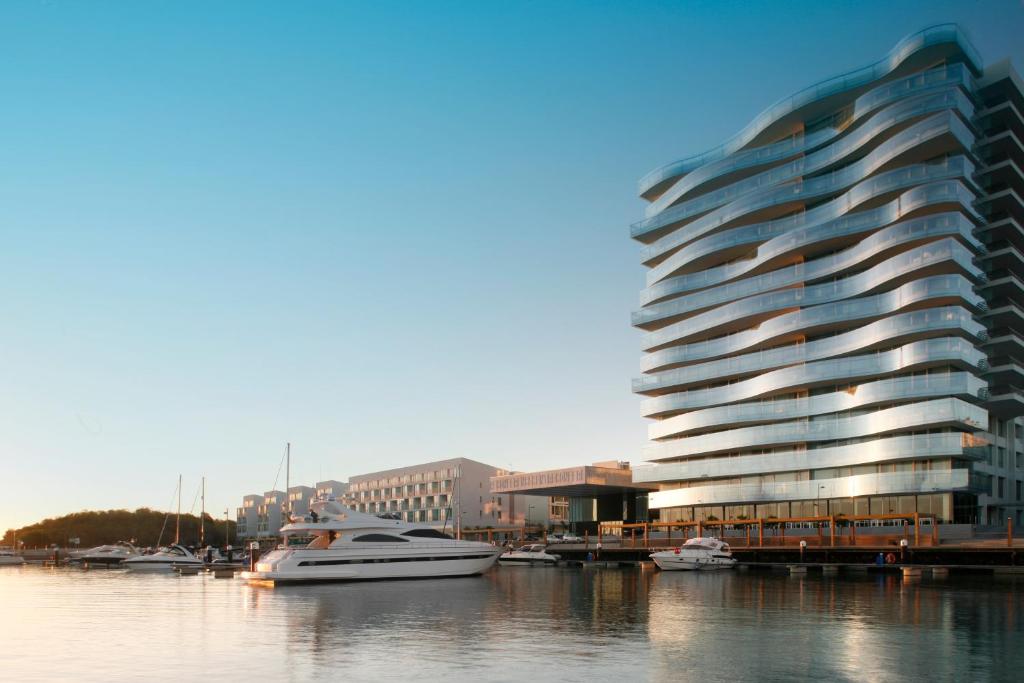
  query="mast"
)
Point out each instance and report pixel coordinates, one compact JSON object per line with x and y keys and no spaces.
{"x":288,"y":482}
{"x":177,"y":520}
{"x":202,"y":514}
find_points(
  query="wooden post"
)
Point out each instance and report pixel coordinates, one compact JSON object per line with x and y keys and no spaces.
{"x":760,"y":532}
{"x":917,"y":528}
{"x":490,"y":536}
{"x":632,"y":537}
{"x":700,"y":528}
{"x":645,"y":535}
{"x":831,"y":530}
{"x":586,"y":538}
{"x":935,"y":531}
{"x":669,"y":534}
{"x":748,"y":534}
{"x":853,"y":532}
{"x":1009,"y":532}
{"x":821,"y":536}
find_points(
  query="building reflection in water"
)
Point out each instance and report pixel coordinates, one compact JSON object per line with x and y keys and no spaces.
{"x":538,"y":621}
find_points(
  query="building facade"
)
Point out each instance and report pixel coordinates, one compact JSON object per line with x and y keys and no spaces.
{"x":270,"y":514}
{"x":834,"y":300}
{"x":299,"y":498}
{"x":455,"y":491}
{"x":330,"y":490}
{"x":247,"y":516}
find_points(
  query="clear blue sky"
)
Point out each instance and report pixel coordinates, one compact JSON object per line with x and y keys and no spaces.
{"x":386,"y":232}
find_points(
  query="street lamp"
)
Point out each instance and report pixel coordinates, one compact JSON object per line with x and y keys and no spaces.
{"x":817,"y":498}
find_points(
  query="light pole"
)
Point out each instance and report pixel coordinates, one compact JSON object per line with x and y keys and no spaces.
{"x":817,"y":498}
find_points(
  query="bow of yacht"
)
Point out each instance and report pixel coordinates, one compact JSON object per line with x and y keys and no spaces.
{"x":344,"y":545}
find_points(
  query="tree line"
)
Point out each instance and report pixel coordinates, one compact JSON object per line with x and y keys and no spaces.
{"x":142,"y":527}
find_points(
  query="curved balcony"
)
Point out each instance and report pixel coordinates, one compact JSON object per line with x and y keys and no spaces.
{"x":889,"y":449}
{"x":946,"y":321}
{"x":891,"y":391}
{"x":876,"y":131}
{"x":929,"y":229}
{"x":940,"y":78}
{"x":860,"y":182}
{"x":918,"y":44}
{"x":890,"y":483}
{"x":939,"y":290}
{"x":916,"y":355}
{"x":944,"y":256}
{"x":932,"y":414}
{"x":780,"y":240}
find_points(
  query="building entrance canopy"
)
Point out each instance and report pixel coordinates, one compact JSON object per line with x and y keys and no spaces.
{"x":584,"y":481}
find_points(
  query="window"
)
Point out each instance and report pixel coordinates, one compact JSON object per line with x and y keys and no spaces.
{"x":1019,"y":488}
{"x":425,"y":533}
{"x":378,"y":538}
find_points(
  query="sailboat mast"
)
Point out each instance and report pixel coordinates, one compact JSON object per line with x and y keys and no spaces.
{"x":202,"y":514}
{"x":288,"y":482}
{"x":177,"y":520}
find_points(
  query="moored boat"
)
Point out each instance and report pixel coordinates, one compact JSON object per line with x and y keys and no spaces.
{"x":696,"y":554}
{"x":164,"y":560}
{"x":106,"y":554}
{"x":528,"y":555}
{"x":352,"y":546}
{"x":9,"y":557}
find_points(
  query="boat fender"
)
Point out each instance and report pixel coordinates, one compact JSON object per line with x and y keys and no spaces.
{"x":677,"y":551}
{"x":890,"y":559}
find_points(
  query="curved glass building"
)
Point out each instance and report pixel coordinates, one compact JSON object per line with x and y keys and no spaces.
{"x":834,"y":307}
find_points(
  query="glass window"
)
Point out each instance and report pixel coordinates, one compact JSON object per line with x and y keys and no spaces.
{"x":379,"y":538}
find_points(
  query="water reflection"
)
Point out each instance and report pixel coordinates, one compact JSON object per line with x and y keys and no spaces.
{"x":511,"y":624}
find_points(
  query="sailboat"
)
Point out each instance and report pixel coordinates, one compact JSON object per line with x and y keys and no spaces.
{"x":169,"y":558}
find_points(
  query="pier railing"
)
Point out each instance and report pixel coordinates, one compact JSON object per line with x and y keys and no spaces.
{"x":917,"y":528}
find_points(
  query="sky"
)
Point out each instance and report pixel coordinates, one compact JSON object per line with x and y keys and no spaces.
{"x":386,"y":232}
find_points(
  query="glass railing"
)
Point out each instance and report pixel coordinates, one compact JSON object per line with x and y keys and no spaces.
{"x":783,"y":236}
{"x":893,"y":329}
{"x":845,"y":311}
{"x":885,"y":240}
{"x":929,"y":481}
{"x":951,"y":98}
{"x":935,"y":35}
{"x":897,"y":267}
{"x":857,"y":177}
{"x":935,"y":412}
{"x":886,"y":449}
{"x":868,"y":394}
{"x":940,"y":78}
{"x":953,"y":350}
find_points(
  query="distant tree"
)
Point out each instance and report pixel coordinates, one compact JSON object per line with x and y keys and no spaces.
{"x":142,"y":527}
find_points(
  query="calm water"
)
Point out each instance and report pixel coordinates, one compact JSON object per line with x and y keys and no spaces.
{"x":521,"y":624}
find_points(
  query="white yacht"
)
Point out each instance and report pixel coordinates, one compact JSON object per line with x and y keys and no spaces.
{"x":164,"y":560}
{"x":106,"y":554}
{"x":529,"y":555}
{"x":9,"y":557}
{"x":696,"y":554}
{"x":347,"y":546}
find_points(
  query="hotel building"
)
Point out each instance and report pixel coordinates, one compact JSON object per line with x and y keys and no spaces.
{"x":834,"y":304}
{"x":424,"y":493}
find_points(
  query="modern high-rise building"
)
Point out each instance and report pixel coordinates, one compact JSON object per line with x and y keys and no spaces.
{"x":834,"y":306}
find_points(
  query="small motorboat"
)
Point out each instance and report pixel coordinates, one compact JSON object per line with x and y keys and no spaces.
{"x":10,"y":558}
{"x":164,"y":560}
{"x":529,"y":555}
{"x":696,"y":554}
{"x":106,"y":554}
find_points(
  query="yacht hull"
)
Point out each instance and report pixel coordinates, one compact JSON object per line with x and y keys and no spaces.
{"x":303,"y":567}
{"x":669,"y":561}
